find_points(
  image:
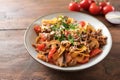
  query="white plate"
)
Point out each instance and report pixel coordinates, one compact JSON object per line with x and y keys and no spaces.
{"x":30,"y":35}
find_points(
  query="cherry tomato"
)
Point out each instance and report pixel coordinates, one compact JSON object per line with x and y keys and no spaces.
{"x":74,"y":6}
{"x":82,"y":23}
{"x":85,"y":4}
{"x":94,"y":9}
{"x":92,"y":1}
{"x":40,"y":47}
{"x":108,"y":8}
{"x":103,"y":3}
{"x":52,"y":51}
{"x":37,"y":28}
{"x":95,"y":52}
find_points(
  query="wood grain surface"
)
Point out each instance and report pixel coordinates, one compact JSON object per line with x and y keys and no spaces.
{"x":17,"y":64}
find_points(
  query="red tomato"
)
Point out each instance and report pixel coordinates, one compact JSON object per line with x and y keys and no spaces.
{"x":108,"y":8}
{"x":95,"y":52}
{"x":94,"y":9}
{"x":103,"y":3}
{"x":74,"y":6}
{"x":52,"y":51}
{"x":82,"y":23}
{"x":42,"y":37}
{"x":37,"y":28}
{"x":40,"y":47}
{"x":85,"y":4}
{"x":92,"y":1}
{"x":66,"y":33}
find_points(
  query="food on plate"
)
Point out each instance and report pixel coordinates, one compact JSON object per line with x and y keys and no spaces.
{"x":63,"y":41}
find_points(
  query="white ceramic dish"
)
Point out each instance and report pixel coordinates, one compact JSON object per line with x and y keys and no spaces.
{"x":113,"y":17}
{"x":29,"y":39}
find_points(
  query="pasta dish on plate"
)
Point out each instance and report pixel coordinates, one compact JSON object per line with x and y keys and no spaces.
{"x":64,"y":42}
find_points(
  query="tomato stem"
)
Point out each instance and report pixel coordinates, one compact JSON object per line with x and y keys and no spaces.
{"x":75,"y":0}
{"x":102,"y":1}
{"x":97,"y":2}
{"x":109,"y":1}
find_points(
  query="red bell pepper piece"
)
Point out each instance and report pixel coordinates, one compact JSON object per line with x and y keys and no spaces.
{"x":40,"y":47}
{"x":37,"y":28}
{"x":95,"y":52}
{"x":52,"y":51}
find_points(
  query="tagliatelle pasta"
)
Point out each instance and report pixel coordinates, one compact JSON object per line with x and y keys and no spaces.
{"x":63,"y":41}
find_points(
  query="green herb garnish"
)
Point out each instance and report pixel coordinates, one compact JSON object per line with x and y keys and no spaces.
{"x":72,"y":26}
{"x":55,"y":27}
{"x":71,"y":39}
{"x":60,"y":38}
{"x":65,"y":25}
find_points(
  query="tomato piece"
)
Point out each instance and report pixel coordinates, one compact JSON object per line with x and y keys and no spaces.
{"x":67,"y":33}
{"x":94,"y":9}
{"x":82,"y":23}
{"x":74,"y":6}
{"x":52,"y":51}
{"x":37,"y":28}
{"x":42,"y":37}
{"x":85,"y":4}
{"x":108,"y":8}
{"x":95,"y":52}
{"x":40,"y":47}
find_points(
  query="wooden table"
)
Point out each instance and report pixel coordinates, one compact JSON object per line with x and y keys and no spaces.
{"x":17,"y":64}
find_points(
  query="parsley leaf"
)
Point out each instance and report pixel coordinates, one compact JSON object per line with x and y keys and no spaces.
{"x":73,"y":26}
{"x":55,"y":27}
{"x":65,"y":25}
{"x":71,"y":39}
{"x":60,"y":38}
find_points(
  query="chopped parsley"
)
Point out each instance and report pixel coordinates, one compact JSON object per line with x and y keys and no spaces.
{"x":71,"y":39}
{"x":60,"y":38}
{"x":65,"y":25}
{"x":61,"y":26}
{"x":72,"y":26}
{"x":55,"y":27}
